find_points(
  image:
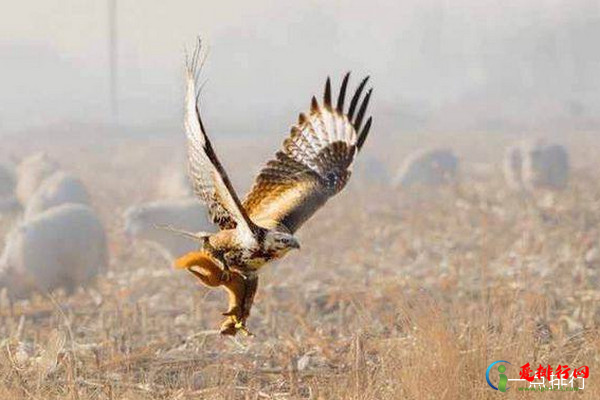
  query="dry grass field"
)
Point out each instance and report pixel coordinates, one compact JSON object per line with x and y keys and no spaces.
{"x":395,"y":295}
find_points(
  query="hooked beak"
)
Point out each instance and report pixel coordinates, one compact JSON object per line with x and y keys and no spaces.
{"x":295,"y":245}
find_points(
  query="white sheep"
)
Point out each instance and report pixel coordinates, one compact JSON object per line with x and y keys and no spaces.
{"x":144,"y":221}
{"x":31,"y":172}
{"x":64,"y":246}
{"x":60,"y":188}
{"x":546,"y":166}
{"x":428,"y":168}
{"x":513,"y":167}
{"x":535,"y":164}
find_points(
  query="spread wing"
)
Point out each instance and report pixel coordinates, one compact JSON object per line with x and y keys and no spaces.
{"x":209,"y":179}
{"x":314,"y":163}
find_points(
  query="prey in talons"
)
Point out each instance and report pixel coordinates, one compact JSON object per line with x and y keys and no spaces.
{"x":240,"y":289}
{"x":314,"y":164}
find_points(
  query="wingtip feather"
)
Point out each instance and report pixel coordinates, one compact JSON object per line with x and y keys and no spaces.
{"x":342,"y":96}
{"x":364,"y":133}
{"x":327,"y":95}
{"x":362,"y":110}
{"x":314,"y":105}
{"x":356,"y":96}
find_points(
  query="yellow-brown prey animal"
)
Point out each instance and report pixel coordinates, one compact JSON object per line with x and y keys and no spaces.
{"x":313,"y":165}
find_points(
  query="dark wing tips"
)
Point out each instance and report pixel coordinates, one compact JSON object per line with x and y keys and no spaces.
{"x":355,"y":98}
{"x":363,"y":134}
{"x":341,"y":97}
{"x":302,"y":119}
{"x":314,"y":105}
{"x":362,"y":110}
{"x":327,"y":95}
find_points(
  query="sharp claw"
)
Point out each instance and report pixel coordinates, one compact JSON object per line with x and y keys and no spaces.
{"x":228,"y":328}
{"x":239,"y":325}
{"x":233,"y":325}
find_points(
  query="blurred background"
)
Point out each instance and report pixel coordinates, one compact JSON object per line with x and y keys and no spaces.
{"x":469,"y":232}
{"x":465,"y":64}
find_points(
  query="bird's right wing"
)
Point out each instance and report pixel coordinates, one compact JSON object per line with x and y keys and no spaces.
{"x":209,"y":179}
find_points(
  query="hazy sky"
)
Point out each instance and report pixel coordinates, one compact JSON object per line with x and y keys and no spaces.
{"x":267,"y":57}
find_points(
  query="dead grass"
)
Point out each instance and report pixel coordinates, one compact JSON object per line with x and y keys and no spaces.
{"x":394,"y":296}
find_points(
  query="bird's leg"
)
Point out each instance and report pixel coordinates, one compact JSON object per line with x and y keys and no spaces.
{"x":206,"y":268}
{"x":251,"y":285}
{"x":250,"y":292}
{"x":243,"y":298}
{"x":237,"y":291}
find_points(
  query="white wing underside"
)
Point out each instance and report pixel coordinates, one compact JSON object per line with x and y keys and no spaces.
{"x":321,"y":128}
{"x":209,"y":180}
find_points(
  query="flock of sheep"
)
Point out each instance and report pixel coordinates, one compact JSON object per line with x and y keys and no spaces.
{"x":59,"y":241}
{"x":528,"y":165}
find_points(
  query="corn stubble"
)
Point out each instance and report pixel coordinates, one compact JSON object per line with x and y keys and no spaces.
{"x":395,"y":295}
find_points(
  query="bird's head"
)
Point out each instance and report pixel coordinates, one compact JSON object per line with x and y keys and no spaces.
{"x":280,"y":242}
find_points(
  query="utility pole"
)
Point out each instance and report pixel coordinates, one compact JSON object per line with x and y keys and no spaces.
{"x":113,"y":60}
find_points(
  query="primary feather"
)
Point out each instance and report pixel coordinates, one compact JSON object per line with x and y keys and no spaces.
{"x":209,"y":179}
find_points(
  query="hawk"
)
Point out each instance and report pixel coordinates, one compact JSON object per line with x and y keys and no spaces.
{"x":313,"y":165}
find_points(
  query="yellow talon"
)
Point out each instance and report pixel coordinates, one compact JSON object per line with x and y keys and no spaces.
{"x":240,"y":327}
{"x":210,"y":272}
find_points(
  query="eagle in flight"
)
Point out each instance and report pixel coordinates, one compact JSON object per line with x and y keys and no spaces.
{"x":313,"y":165}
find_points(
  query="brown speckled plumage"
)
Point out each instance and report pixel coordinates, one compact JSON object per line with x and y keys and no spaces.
{"x":313,"y":165}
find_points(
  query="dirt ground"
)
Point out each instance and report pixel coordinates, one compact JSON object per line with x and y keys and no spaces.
{"x":395,"y":294}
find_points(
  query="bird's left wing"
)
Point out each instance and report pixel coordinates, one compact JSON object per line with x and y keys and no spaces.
{"x":209,"y":179}
{"x":314,"y":163}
